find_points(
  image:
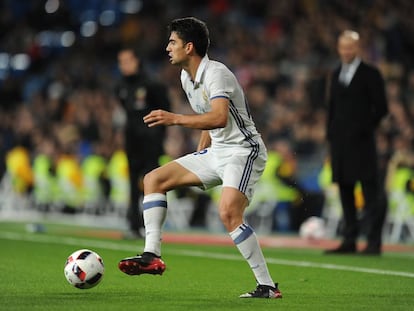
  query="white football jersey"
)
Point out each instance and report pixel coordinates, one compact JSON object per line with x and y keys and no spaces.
{"x":214,"y":79}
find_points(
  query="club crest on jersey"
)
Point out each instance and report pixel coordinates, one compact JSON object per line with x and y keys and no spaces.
{"x":205,"y":97}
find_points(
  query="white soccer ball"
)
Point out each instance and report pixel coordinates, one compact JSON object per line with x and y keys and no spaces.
{"x":84,"y":269}
{"x":312,"y":228}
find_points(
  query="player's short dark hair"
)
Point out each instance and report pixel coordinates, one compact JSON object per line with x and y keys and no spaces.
{"x":191,"y":29}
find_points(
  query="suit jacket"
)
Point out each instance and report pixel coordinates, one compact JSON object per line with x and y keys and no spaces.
{"x":354,"y":112}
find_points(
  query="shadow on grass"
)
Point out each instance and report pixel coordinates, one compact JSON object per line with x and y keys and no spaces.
{"x":134,"y":300}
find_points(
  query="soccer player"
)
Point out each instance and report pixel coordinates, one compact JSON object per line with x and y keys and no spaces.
{"x":230,"y":152}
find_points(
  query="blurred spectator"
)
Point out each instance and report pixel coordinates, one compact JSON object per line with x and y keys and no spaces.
{"x":19,"y":170}
{"x":45,"y":189}
{"x":139,"y":95}
{"x":310,"y":156}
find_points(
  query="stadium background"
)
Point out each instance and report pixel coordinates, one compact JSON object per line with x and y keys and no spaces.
{"x":58,"y":68}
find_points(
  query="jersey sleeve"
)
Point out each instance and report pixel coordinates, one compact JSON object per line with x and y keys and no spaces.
{"x":220,"y":83}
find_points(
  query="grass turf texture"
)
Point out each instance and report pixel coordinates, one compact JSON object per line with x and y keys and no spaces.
{"x":198,"y":277}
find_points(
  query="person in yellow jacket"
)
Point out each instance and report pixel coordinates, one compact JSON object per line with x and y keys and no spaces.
{"x":45,"y":187}
{"x":118,"y":176}
{"x":19,"y":169}
{"x":400,"y":186}
{"x":70,"y":183}
{"x":275,"y":186}
{"x":94,"y":174}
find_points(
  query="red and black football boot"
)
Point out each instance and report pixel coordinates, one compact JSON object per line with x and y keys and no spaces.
{"x":146,"y":263}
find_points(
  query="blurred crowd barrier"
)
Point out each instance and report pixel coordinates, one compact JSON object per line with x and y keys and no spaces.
{"x":99,"y":187}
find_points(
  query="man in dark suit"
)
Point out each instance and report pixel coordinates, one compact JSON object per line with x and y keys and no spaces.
{"x":357,"y":103}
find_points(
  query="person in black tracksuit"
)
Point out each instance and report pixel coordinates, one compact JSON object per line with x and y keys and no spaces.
{"x":138,"y":95}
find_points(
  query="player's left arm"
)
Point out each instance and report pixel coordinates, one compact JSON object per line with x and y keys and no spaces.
{"x":215,"y":118}
{"x":377,"y":94}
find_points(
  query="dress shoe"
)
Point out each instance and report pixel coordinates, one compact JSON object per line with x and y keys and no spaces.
{"x":342,"y":249}
{"x":371,"y":251}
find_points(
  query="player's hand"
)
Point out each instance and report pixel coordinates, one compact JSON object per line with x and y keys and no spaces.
{"x":160,"y":117}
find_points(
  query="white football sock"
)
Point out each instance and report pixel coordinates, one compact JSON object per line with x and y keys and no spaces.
{"x":248,"y":245}
{"x":155,"y":212}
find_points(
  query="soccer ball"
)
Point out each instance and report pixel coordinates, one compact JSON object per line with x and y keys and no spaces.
{"x":84,"y":269}
{"x":312,"y":228}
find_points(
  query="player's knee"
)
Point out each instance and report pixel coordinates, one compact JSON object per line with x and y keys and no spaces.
{"x":153,"y":182}
{"x":229,"y":218}
{"x":224,"y":215}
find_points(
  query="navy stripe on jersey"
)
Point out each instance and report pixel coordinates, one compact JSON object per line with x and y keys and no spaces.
{"x":246,"y":104}
{"x":254,"y":151}
{"x":219,"y":96}
{"x":240,"y":123}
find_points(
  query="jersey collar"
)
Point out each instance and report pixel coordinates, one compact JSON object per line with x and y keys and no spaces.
{"x":200,"y":72}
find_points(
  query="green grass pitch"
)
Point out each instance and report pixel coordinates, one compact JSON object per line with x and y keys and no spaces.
{"x":198,"y":277}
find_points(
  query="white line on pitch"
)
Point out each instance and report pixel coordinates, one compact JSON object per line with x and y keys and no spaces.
{"x":117,"y":246}
{"x":298,"y":263}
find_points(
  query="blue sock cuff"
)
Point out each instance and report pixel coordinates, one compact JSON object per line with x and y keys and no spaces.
{"x":246,"y":232}
{"x":154,"y":200}
{"x":151,"y":204}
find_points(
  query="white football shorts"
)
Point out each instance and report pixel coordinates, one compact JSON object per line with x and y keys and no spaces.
{"x":235,"y":167}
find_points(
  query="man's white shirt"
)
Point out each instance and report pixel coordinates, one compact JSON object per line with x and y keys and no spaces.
{"x":348,"y":71}
{"x":213,"y":79}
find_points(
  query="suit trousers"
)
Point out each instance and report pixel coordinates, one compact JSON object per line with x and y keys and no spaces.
{"x":374,"y":212}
